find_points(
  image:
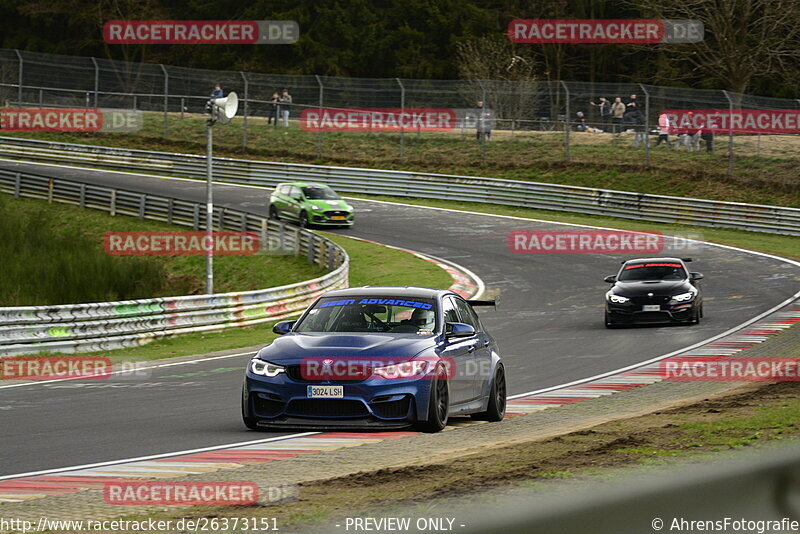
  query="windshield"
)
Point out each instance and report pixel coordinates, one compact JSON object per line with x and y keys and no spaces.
{"x":652,"y":271}
{"x":371,"y":314}
{"x":320,"y":193}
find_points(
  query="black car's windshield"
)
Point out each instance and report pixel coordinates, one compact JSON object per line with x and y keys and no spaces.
{"x":320,"y":193}
{"x":652,"y":271}
{"x":398,"y":315}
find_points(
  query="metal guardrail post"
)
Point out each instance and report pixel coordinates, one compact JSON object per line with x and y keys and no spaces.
{"x":402,"y":109}
{"x":566,"y":123}
{"x":170,"y":210}
{"x":646,"y":125}
{"x":481,"y":125}
{"x":730,"y":136}
{"x":196,"y":217}
{"x":19,"y":79}
{"x":311,"y":251}
{"x":244,"y":118}
{"x":96,"y":80}
{"x":50,"y":186}
{"x":17,"y":184}
{"x":166,"y":96}
{"x":112,"y":208}
{"x":321,"y":100}
{"x":82,"y":198}
{"x":142,"y":206}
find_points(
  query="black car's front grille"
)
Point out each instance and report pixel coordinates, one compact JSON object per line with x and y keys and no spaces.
{"x":392,"y":409}
{"x":267,"y":405}
{"x":327,"y":408}
{"x":656,"y":299}
{"x":652,"y":317}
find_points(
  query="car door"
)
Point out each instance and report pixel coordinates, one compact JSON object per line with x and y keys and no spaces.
{"x":281,"y":200}
{"x":459,"y":352}
{"x":480,"y":367}
{"x":294,"y":206}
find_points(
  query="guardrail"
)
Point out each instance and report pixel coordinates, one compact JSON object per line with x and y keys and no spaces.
{"x":638,"y":206}
{"x":114,"y":325}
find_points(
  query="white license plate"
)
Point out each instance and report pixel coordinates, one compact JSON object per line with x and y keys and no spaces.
{"x":325,"y":392}
{"x":651,"y":307}
{"x":338,"y":217}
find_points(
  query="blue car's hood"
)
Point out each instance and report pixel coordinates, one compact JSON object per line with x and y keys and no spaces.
{"x":292,"y":348}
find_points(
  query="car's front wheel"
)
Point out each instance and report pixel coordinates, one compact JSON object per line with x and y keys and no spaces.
{"x":438,"y":404}
{"x":608,"y":322}
{"x":273,"y":213}
{"x":303,"y":220}
{"x":496,"y":409}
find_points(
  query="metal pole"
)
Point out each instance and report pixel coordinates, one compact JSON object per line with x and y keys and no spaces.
{"x":244,"y":125}
{"x":730,"y":136}
{"x":96,"y":81}
{"x":646,"y":125}
{"x":209,"y":209}
{"x":566,"y":123}
{"x":19,"y":80}
{"x":402,"y":108}
{"x":166,"y":96}
{"x":321,"y":100}
{"x":481,"y":125}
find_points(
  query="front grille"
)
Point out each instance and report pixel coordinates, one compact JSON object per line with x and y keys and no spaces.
{"x":267,"y":407}
{"x":392,"y":409}
{"x":332,"y":213}
{"x":650,"y":300}
{"x":652,"y":317}
{"x":295,"y":373}
{"x":327,"y":408}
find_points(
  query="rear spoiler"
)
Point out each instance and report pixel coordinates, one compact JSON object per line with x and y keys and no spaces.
{"x":474,"y":302}
{"x":687,"y":260}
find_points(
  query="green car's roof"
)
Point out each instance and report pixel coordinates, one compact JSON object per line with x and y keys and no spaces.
{"x":304,"y":184}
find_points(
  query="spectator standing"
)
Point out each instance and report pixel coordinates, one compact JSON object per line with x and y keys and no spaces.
{"x":617,"y":113}
{"x":272,"y":109}
{"x":635,"y":118}
{"x":663,"y":130}
{"x":632,"y":102}
{"x":708,"y":137}
{"x":286,"y":104}
{"x":217,"y":92}
{"x":604,"y":108}
{"x":483,"y":124}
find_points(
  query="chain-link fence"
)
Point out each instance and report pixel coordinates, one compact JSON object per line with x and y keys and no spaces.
{"x":534,"y":122}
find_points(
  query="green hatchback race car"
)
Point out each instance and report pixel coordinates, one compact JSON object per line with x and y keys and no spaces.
{"x":310,"y":204}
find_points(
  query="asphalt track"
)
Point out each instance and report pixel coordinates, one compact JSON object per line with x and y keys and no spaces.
{"x":548,"y":325}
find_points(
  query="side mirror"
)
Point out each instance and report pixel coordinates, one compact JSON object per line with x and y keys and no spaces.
{"x":299,"y":199}
{"x":283,"y":327}
{"x":459,"y":330}
{"x":695,"y":276}
{"x":610,"y":279}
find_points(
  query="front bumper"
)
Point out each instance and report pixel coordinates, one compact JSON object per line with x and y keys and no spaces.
{"x":379,"y":403}
{"x":632,"y":313}
{"x":330,"y":218}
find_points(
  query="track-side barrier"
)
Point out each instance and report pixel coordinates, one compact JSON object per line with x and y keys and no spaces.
{"x":638,"y":206}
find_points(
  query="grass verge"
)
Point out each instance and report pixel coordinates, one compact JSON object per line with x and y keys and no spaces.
{"x":54,"y":254}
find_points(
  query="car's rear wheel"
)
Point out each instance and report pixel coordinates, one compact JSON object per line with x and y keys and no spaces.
{"x":438,"y":404}
{"x":496,"y":409}
{"x":249,"y":422}
{"x":273,"y":213}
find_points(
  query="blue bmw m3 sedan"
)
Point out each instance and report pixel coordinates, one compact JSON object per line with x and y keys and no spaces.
{"x":377,"y":357}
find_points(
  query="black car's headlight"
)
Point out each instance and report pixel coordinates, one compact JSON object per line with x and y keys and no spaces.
{"x":260,"y":367}
{"x":684,"y":297}
{"x":617,"y":299}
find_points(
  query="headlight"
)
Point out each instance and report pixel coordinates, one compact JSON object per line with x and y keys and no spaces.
{"x":683,"y":297}
{"x":315,"y":207}
{"x":619,"y":299}
{"x":402,"y":370}
{"x":260,"y":367}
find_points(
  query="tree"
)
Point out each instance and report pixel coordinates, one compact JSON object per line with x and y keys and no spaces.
{"x":745,"y":39}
